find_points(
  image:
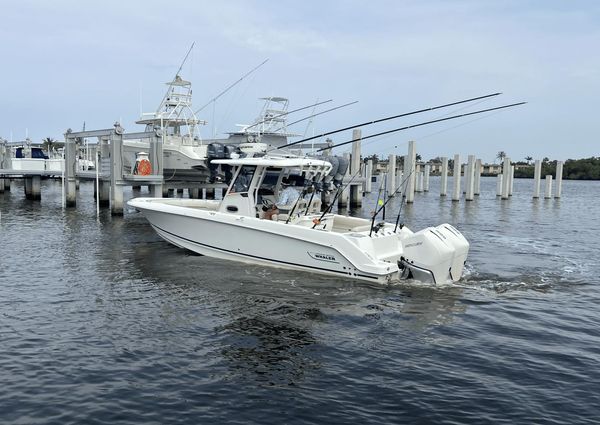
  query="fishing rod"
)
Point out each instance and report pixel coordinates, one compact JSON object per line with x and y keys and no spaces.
{"x":287,"y":113}
{"x":302,"y":195}
{"x":232,"y":85}
{"x":392,"y":117}
{"x":377,"y":211}
{"x":312,"y":195}
{"x":319,"y":113}
{"x":383,"y":179}
{"x":331,"y":204}
{"x":401,"y":204}
{"x":423,"y":123}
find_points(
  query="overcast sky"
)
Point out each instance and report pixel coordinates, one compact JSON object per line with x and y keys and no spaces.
{"x":69,"y":62}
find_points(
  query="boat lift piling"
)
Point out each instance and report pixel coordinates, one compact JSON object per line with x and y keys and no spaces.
{"x":426,"y":177}
{"x":391,"y":175}
{"x":537,"y":174}
{"x":111,"y":176}
{"x":368,"y":174}
{"x":506,"y":178}
{"x":444,"y":179}
{"x":409,"y":167}
{"x":559,"y":173}
{"x":469,"y":177}
{"x":355,"y":164}
{"x":456,"y":176}
{"x":548,"y":194}
{"x":477,"y":178}
{"x":499,"y":179}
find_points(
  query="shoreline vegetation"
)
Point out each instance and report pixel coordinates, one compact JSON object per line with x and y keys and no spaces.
{"x":573,"y":169}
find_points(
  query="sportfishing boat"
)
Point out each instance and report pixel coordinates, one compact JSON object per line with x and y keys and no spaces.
{"x":184,"y":154}
{"x":302,"y":237}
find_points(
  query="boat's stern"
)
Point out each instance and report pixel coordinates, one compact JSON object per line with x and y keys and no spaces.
{"x":435,"y":254}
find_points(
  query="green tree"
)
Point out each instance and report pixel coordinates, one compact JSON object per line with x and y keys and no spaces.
{"x":528,"y":159}
{"x":48,"y":143}
{"x":501,"y":155}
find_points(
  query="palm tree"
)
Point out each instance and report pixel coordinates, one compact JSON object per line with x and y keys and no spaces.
{"x":528,"y":159}
{"x":47,"y":143}
{"x":501,"y":155}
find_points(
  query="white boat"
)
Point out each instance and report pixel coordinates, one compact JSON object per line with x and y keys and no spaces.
{"x":302,"y":238}
{"x":184,"y":153}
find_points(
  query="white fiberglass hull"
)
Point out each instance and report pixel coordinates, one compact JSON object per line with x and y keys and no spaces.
{"x":180,"y":162}
{"x":352,"y":254}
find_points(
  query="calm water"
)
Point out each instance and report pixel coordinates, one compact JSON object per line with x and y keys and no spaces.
{"x":102,"y":323}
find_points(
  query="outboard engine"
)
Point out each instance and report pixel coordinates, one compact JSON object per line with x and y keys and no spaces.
{"x":435,"y":254}
{"x":341,"y":171}
{"x":231,"y":151}
{"x":334,"y":161}
{"x":214,"y":151}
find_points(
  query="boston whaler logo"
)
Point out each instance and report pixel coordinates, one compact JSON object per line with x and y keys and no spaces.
{"x":322,"y":257}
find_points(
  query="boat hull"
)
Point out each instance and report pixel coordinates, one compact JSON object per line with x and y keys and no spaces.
{"x":266,"y":243}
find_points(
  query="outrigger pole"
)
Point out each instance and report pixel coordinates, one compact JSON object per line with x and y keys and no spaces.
{"x":317,"y":114}
{"x":287,"y":113}
{"x":232,"y":85}
{"x":423,"y":123}
{"x":389,"y":118}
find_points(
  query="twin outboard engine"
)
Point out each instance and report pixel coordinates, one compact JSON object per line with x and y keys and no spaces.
{"x":339,"y":167}
{"x":435,"y":254}
{"x":214,"y":151}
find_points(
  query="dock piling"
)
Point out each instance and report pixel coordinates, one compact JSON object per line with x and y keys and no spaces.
{"x":537,"y":175}
{"x":444,"y":181}
{"x":548,"y":194}
{"x":456,"y":176}
{"x":559,"y":174}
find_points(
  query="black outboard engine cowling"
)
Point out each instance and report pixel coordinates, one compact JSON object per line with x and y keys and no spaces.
{"x":214,"y":151}
{"x":341,"y":170}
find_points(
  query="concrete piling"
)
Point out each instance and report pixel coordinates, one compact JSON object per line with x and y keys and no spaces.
{"x":457,"y":166}
{"x":548,"y":194}
{"x":559,"y":173}
{"x":391,"y":175}
{"x":469,"y":176}
{"x":499,"y":179}
{"x":444,"y":180}
{"x":506,"y":178}
{"x":426,"y":172}
{"x":409,"y":168}
{"x":368,"y":175}
{"x":511,"y":180}
{"x":537,"y":175}
{"x":477,"y":178}
{"x":355,"y":165}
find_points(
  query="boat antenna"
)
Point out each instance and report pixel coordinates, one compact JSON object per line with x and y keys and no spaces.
{"x":319,"y":113}
{"x":287,"y":113}
{"x":391,"y":118}
{"x":232,"y":85}
{"x":332,"y":203}
{"x":424,"y":123}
